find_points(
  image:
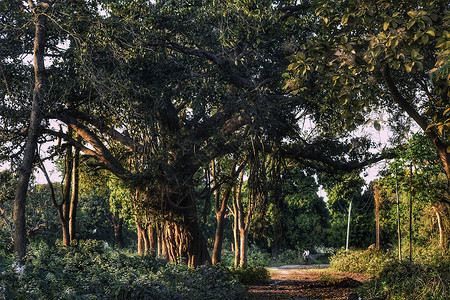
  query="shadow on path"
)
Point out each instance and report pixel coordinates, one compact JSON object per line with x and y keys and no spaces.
{"x":306,"y":282}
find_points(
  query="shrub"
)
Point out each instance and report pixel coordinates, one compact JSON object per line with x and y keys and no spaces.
{"x":289,"y":257}
{"x":90,"y":270}
{"x":252,"y":274}
{"x":361,"y":261}
{"x":405,"y":280}
{"x":257,"y":257}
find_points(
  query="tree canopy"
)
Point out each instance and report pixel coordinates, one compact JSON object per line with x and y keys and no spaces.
{"x":154,"y":91}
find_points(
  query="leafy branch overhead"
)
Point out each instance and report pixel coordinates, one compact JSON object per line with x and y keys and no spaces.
{"x":392,"y":58}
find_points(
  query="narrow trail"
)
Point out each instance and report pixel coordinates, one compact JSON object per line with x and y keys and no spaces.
{"x":306,"y":282}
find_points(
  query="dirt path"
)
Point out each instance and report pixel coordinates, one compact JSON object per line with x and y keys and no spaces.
{"x":306,"y":282}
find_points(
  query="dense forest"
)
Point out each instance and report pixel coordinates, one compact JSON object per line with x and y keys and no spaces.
{"x":195,"y":137}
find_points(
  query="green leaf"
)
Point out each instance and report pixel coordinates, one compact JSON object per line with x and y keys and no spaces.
{"x":430,"y":126}
{"x":377,"y":125}
{"x":385,"y":25}
{"x":431,"y":32}
{"x":344,"y":20}
{"x":408,"y":68}
{"x":446,"y":111}
{"x":412,"y":13}
{"x":410,"y":23}
{"x":382,"y":36}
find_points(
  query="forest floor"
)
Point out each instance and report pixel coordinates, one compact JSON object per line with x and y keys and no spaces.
{"x":306,"y":282}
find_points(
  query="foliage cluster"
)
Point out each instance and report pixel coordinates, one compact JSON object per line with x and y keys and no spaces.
{"x":252,"y":274}
{"x":426,"y":277}
{"x":416,"y":280}
{"x":361,"y":261}
{"x":91,"y":270}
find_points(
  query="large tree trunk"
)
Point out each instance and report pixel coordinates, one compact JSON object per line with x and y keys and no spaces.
{"x":184,"y":239}
{"x":31,"y":143}
{"x":218,"y":239}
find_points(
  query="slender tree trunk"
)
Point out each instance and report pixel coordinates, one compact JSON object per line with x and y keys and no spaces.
{"x":218,"y":241}
{"x":241,"y":228}
{"x":410,"y":211}
{"x":67,"y":195}
{"x":118,"y":236}
{"x":237,"y":252}
{"x":162,"y":244}
{"x":442,"y":235}
{"x":74,"y":198}
{"x":220,"y":217}
{"x":243,"y":237}
{"x":31,"y":143}
{"x":238,"y":215}
{"x":144,"y":233}
{"x":377,"y":216}
{"x":399,"y":229}
{"x":348,"y":225}
{"x":140,"y":236}
{"x":152,"y":237}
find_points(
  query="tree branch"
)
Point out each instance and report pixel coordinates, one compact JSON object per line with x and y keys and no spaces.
{"x":111,"y":132}
{"x":223,"y":64}
{"x":101,"y":153}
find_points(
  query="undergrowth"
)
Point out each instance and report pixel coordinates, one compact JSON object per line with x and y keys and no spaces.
{"x":426,"y":277}
{"x":361,"y":261}
{"x":251,"y":274}
{"x":92,"y":271}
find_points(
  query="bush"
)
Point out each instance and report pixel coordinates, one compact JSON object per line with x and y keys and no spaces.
{"x":289,"y":257}
{"x":91,"y":270}
{"x":427,"y":277}
{"x":405,"y":280}
{"x":361,"y":261}
{"x":252,"y":274}
{"x":258,"y":257}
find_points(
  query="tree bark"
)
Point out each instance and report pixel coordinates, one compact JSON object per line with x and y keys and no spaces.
{"x":118,"y":236}
{"x":152,"y":237}
{"x":75,"y":193}
{"x":243,"y":236}
{"x":67,"y":195}
{"x":218,"y":239}
{"x":140,"y":236}
{"x":237,"y":252}
{"x":442,"y":235}
{"x":184,"y":239}
{"x":31,"y":143}
{"x":162,"y":244}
